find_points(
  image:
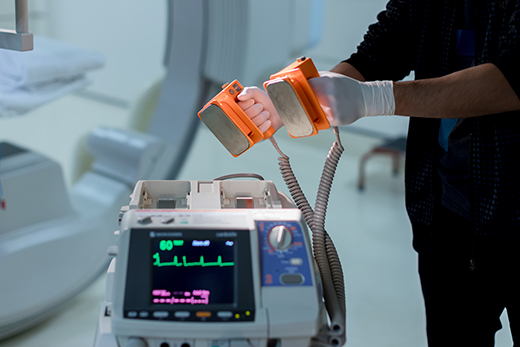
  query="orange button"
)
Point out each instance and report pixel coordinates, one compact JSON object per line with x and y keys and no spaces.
{"x":203,"y":314}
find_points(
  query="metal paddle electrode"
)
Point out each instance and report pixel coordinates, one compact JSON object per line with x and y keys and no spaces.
{"x":293,"y":98}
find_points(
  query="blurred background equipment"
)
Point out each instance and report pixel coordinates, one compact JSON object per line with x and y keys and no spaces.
{"x":54,"y":234}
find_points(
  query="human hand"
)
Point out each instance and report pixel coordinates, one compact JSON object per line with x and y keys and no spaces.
{"x":345,"y":100}
{"x":258,"y":106}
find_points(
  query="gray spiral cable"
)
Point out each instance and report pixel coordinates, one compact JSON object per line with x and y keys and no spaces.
{"x":325,"y":252}
{"x":319,"y":231}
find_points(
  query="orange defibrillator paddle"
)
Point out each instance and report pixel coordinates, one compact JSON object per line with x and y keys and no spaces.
{"x":229,"y":123}
{"x":293,"y":98}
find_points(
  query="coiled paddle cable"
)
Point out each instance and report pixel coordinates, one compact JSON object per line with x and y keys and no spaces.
{"x":325,"y":252}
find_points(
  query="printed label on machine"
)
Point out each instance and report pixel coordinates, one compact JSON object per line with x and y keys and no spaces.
{"x":210,"y":218}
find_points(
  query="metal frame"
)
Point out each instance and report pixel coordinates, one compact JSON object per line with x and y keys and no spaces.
{"x":20,"y":39}
{"x":174,"y":120}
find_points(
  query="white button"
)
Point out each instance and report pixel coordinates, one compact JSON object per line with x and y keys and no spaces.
{"x":182,"y":314}
{"x":132,"y":314}
{"x":161,"y":314}
{"x":296,"y":261}
{"x":224,"y":314}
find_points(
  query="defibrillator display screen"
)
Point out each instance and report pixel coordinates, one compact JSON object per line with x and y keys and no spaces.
{"x":189,"y":275}
{"x":195,"y":271}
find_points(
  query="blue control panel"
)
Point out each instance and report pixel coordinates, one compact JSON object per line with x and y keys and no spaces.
{"x":283,"y":267}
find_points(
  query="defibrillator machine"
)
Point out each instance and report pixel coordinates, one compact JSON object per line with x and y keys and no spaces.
{"x":230,"y":263}
{"x":222,"y":263}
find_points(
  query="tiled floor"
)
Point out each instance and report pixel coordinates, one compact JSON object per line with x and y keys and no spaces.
{"x":369,"y":228}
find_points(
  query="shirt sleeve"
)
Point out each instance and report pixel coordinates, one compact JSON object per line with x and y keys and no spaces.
{"x":508,"y":60}
{"x":387,"y":51}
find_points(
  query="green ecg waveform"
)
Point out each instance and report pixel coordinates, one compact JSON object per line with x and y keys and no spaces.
{"x":184,"y":263}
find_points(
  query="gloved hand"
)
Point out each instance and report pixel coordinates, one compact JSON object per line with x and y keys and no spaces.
{"x":345,"y":100}
{"x":258,"y":106}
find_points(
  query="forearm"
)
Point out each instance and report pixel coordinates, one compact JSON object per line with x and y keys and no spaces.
{"x":472,"y":92}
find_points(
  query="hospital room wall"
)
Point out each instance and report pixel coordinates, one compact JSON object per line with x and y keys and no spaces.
{"x":132,"y":34}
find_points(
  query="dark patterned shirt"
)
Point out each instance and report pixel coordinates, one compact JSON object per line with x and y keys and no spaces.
{"x":420,"y":35}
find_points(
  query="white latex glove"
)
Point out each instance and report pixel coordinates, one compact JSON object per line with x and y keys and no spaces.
{"x":345,"y":100}
{"x":258,"y":106}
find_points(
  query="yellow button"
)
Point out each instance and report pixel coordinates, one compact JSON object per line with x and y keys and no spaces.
{"x":203,"y":314}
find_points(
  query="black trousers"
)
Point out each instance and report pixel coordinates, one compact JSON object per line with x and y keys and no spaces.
{"x":467,"y":282}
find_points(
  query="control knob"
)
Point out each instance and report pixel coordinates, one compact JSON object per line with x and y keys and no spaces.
{"x":280,"y":237}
